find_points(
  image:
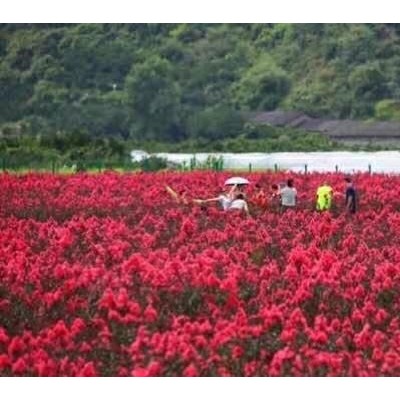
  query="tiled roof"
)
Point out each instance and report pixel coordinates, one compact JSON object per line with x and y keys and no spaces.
{"x":332,"y":128}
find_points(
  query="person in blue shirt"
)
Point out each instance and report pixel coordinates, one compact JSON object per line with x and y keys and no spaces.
{"x":351,"y":196}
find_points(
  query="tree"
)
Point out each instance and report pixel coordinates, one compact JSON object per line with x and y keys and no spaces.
{"x":48,"y":98}
{"x":99,"y":114}
{"x":367,"y":84}
{"x":322,"y":93}
{"x":215,"y":123}
{"x":166,"y":82}
{"x":263,"y":86}
{"x":387,"y":110}
{"x":11,"y":94}
{"x":356,"y":43}
{"x":154,"y":100}
{"x":94,"y":57}
{"x":212,"y":64}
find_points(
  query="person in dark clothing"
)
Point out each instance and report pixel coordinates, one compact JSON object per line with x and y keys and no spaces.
{"x":351,"y":196}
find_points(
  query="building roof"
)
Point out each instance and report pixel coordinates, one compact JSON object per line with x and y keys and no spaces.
{"x":331,"y":128}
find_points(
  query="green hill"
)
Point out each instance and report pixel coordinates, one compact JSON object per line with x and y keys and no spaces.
{"x":184,"y":82}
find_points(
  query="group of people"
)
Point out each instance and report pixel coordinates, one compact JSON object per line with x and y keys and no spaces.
{"x":325,"y":194}
{"x":233,"y":198}
{"x":283,"y":196}
{"x":287,"y":195}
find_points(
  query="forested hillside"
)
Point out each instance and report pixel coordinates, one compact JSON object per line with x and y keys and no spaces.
{"x":168,"y":83}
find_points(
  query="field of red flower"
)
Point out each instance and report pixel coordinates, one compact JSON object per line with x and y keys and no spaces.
{"x":105,"y":275}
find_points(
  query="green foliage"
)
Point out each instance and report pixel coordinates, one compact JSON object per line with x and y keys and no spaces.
{"x":153,"y":97}
{"x":152,"y":164}
{"x":252,"y":139}
{"x":367,"y":83}
{"x":321,"y":95}
{"x":11,"y":94}
{"x":387,"y":110}
{"x":263,"y":86}
{"x":192,"y":84}
{"x":48,"y":98}
{"x":216,"y":123}
{"x":357,"y":43}
{"x":71,"y":149}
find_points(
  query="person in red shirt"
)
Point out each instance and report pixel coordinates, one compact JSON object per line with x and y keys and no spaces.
{"x":260,"y":198}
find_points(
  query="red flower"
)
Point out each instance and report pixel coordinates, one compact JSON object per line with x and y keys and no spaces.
{"x":19,"y":366}
{"x":16,"y":347}
{"x":141,"y":372}
{"x":190,"y":370}
{"x":150,"y":314}
{"x":4,"y":338}
{"x":124,"y":280}
{"x":4,"y":361}
{"x":88,"y":370}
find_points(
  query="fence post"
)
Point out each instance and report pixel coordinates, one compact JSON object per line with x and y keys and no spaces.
{"x":369,"y":169}
{"x":250,"y":167}
{"x":276,"y":167}
{"x":193,"y":163}
{"x":305,"y":168}
{"x":336,"y":168}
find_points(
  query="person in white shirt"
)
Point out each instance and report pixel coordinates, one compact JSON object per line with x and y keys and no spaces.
{"x":288,"y":195}
{"x":239,"y":203}
{"x":224,"y":199}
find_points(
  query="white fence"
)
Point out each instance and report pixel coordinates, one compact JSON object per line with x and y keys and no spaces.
{"x":381,"y":161}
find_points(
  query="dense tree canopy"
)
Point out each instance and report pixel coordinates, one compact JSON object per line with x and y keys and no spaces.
{"x":170,"y":82}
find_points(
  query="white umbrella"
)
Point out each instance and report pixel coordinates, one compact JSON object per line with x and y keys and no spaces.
{"x":237,"y":180}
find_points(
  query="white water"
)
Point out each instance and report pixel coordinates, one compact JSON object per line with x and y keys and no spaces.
{"x":381,"y":161}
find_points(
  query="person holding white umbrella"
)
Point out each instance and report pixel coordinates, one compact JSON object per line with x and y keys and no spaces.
{"x":232,"y":199}
{"x":238,"y":184}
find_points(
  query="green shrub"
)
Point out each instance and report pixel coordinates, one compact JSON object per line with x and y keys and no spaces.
{"x":153,"y":163}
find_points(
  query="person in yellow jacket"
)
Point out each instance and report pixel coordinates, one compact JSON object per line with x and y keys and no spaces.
{"x":324,"y":197}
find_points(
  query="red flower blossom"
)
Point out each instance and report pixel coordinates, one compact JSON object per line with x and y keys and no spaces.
{"x":190,"y":370}
{"x":125,"y":281}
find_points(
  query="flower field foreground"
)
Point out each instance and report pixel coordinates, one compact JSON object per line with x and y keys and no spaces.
{"x":106,"y":275}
